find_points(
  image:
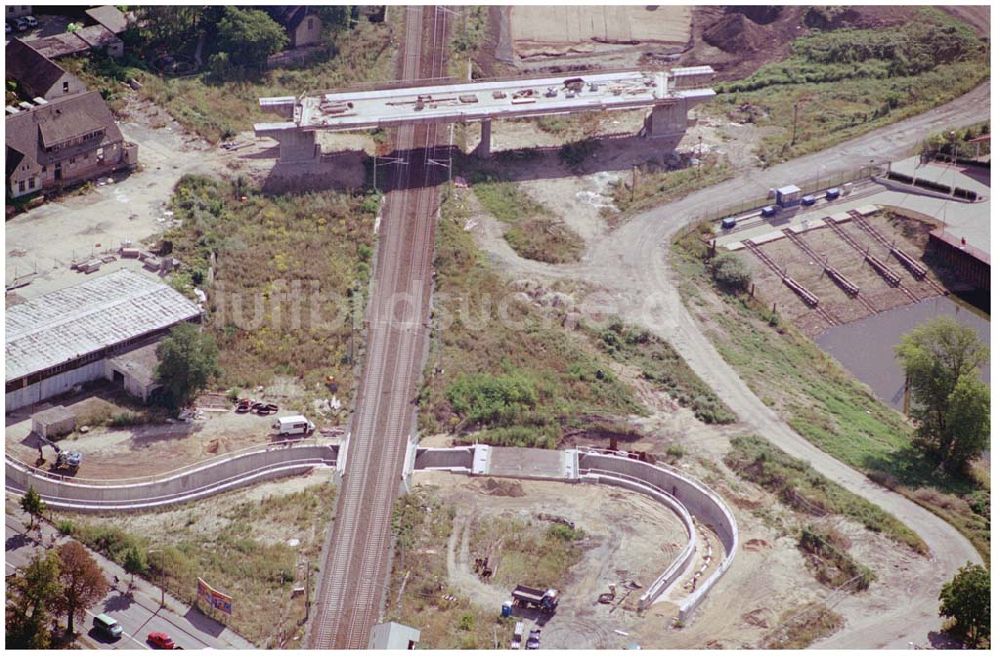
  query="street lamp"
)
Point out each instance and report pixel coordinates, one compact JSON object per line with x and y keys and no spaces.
{"x":163,"y":576}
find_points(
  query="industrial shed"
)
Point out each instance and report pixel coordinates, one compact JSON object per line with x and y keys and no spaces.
{"x":67,"y":337}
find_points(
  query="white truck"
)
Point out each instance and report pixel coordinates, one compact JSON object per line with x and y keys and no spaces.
{"x":290,"y":426}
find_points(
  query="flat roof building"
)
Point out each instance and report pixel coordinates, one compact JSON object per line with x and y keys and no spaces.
{"x":393,"y":636}
{"x":65,"y":338}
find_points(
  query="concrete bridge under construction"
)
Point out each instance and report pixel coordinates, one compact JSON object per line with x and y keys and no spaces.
{"x":668,"y":94}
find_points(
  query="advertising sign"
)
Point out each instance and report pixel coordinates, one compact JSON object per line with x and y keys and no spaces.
{"x":214,"y":598}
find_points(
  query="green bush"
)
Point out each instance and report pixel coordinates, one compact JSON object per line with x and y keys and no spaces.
{"x":488,"y":399}
{"x":730,"y":272}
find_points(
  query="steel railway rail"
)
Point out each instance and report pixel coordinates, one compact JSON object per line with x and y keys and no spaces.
{"x":356,"y":567}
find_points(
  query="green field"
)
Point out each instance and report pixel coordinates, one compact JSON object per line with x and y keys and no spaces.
{"x":288,"y":275}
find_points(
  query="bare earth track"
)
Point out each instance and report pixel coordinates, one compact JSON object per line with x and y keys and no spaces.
{"x":356,"y":568}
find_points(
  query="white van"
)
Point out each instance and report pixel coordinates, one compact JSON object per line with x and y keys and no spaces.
{"x":515,"y":643}
{"x":288,"y":426}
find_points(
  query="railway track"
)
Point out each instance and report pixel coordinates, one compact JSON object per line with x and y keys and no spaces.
{"x":891,"y":277}
{"x":838,"y":277}
{"x":918,"y":271}
{"x":804,"y":293}
{"x":355,"y":569}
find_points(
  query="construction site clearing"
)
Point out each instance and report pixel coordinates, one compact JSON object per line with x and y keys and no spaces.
{"x":841,"y":268}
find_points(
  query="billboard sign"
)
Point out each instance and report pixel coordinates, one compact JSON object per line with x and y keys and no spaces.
{"x":215,"y":599}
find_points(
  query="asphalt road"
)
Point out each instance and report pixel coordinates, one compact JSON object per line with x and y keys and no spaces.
{"x":138,"y":613}
{"x":631,"y":264}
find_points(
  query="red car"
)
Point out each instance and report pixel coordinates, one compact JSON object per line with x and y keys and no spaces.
{"x":160,"y":640}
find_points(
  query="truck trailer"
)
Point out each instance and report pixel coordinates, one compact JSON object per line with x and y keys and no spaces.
{"x":546,"y":600}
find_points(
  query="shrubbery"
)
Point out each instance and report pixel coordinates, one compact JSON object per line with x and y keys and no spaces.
{"x":730,"y":272}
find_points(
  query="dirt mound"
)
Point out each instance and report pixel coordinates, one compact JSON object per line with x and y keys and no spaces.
{"x":735,"y":33}
{"x":503,"y":488}
{"x":759,"y":14}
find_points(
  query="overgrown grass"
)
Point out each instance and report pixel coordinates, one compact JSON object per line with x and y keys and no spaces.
{"x":288,"y":272}
{"x":419,"y":594}
{"x":533,"y":231}
{"x":848,"y":82}
{"x":655,"y":186}
{"x":822,"y":401}
{"x":830,"y":560}
{"x":499,"y":365}
{"x":527,"y":552}
{"x":802,"y":488}
{"x":661,"y":365}
{"x":800,"y":628}
{"x":240,"y":556}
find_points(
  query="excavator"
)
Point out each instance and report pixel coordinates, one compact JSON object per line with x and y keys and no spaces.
{"x":65,"y":460}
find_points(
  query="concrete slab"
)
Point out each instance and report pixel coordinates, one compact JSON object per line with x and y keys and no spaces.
{"x":527,"y":463}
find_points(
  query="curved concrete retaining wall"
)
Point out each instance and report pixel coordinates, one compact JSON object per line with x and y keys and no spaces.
{"x":200,"y":481}
{"x":683,"y":561}
{"x":700,"y":501}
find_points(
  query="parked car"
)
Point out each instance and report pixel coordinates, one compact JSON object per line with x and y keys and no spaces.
{"x":729,"y":223}
{"x":160,"y":640}
{"x":534,"y":640}
{"x":107,"y":626}
{"x":832,"y":193}
{"x":20,"y":24}
{"x":768,"y":211}
{"x":7,"y":27}
{"x":808,"y":200}
{"x":31,"y":21}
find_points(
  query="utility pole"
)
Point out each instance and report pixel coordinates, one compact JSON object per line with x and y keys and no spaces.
{"x":795,"y":122}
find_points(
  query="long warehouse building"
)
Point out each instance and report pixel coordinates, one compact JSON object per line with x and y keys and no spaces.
{"x":70,"y":336}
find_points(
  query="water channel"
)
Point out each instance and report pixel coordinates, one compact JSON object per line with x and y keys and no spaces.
{"x":866,"y":347}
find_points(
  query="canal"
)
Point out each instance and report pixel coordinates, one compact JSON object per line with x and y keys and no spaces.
{"x":866,"y":347}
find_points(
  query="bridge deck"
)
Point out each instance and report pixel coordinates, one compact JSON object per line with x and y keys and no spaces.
{"x":473,"y":101}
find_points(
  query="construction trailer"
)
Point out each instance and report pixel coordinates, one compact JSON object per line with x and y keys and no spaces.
{"x":544,"y":599}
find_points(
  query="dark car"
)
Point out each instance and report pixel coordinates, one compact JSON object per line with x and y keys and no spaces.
{"x":808,"y":200}
{"x":107,"y":626}
{"x":729,"y":223}
{"x":31,"y":21}
{"x":20,"y":24}
{"x":534,"y":639}
{"x":160,"y":640}
{"x":768,"y":211}
{"x":832,"y":193}
{"x":7,"y":27}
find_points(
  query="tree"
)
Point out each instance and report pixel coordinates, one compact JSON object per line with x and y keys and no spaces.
{"x":941,"y":359}
{"x":966,"y":598}
{"x":83,"y":582}
{"x":32,"y":592}
{"x":249,"y":36}
{"x":135,"y":561}
{"x":731,"y":272}
{"x":188,"y":359}
{"x":32,"y":504}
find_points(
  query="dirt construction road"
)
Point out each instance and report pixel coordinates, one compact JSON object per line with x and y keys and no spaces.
{"x":630,"y":263}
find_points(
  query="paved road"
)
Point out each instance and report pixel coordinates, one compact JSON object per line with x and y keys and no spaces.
{"x":631,"y":263}
{"x":138,"y":613}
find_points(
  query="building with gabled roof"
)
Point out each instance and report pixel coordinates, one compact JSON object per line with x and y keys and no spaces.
{"x":301,"y":23}
{"x":71,"y":139}
{"x":38,"y":76}
{"x":81,"y":333}
{"x":110,"y":17}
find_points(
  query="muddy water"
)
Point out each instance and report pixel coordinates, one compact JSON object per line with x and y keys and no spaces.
{"x":865,"y":347}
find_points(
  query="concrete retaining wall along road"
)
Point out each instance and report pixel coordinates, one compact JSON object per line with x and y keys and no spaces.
{"x":198,"y":482}
{"x":451,"y":459}
{"x":701,"y":502}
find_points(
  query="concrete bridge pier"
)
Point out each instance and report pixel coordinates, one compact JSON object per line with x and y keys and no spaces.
{"x":294,"y":144}
{"x":667,"y":120}
{"x":483,"y":150}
